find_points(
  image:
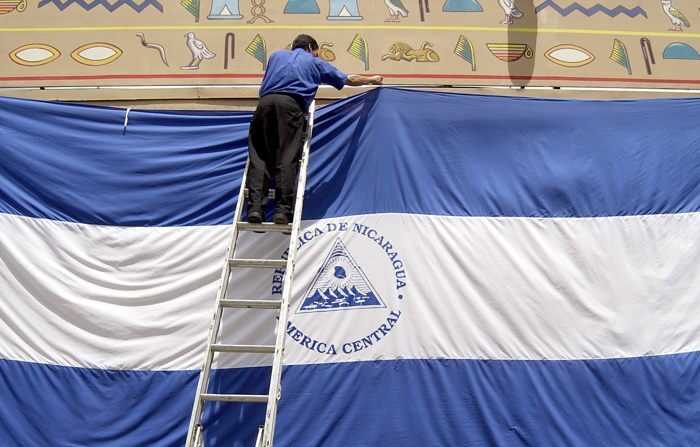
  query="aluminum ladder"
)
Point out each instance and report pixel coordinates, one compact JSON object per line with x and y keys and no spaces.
{"x":266,"y":432}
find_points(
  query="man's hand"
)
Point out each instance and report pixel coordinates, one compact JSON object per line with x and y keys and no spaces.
{"x":377,"y":80}
{"x":357,"y":80}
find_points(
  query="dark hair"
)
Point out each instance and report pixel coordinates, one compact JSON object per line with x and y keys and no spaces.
{"x":304,"y":41}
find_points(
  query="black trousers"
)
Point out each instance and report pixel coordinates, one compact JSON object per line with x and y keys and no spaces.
{"x":274,"y":148}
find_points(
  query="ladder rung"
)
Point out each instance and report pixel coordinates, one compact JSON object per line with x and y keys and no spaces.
{"x":260,"y":398}
{"x":265,"y":227}
{"x":258,"y":263}
{"x":270,"y":193}
{"x":256,"y":349}
{"x":252,"y":304}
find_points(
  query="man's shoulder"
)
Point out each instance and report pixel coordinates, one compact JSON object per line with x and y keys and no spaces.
{"x":323,"y":63}
{"x":281,"y":53}
{"x":327,"y":67}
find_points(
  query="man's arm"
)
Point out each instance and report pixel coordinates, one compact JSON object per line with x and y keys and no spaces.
{"x":356,"y":80}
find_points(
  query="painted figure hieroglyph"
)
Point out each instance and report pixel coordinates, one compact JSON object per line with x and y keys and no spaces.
{"x":343,"y":10}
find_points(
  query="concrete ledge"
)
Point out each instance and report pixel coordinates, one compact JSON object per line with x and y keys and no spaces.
{"x":244,"y":97}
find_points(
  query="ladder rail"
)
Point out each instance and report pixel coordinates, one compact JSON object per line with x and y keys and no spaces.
{"x":268,"y":433}
{"x":194,"y":435}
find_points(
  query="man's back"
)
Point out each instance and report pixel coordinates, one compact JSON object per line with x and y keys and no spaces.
{"x":299,"y":72}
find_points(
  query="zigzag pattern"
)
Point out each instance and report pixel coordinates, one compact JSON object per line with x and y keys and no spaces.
{"x":632,"y":13}
{"x":88,"y":5}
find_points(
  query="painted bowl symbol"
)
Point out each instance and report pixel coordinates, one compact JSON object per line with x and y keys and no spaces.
{"x":10,"y":5}
{"x":510,"y":52}
{"x":680,"y":50}
{"x":569,"y":55}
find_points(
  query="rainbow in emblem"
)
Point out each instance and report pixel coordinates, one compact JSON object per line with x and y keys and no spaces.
{"x":510,"y":52}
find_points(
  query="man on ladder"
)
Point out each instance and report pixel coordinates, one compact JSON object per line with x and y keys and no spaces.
{"x":276,"y":142}
{"x":276,"y":131}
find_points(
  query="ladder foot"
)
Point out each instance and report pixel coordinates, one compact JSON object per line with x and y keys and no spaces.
{"x":281,"y":219}
{"x":254,"y":217}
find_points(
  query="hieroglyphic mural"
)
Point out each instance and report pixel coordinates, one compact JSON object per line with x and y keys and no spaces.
{"x":458,"y":42}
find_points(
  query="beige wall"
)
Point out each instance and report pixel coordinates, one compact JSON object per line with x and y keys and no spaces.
{"x":439,"y":42}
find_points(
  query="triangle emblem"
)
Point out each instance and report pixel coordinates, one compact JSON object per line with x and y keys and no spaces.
{"x":340,"y":284}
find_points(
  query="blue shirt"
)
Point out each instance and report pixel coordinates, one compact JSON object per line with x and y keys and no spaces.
{"x":299,"y":73}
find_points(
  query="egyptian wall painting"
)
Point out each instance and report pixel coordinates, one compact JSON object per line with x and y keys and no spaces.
{"x":645,"y":43}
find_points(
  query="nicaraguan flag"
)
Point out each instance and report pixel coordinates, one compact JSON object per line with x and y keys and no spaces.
{"x":472,"y":270}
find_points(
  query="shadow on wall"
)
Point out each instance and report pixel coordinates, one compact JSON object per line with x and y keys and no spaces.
{"x":522,"y":15}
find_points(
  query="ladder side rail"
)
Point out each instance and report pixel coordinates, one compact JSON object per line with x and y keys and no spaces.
{"x":193,"y":434}
{"x":276,"y":376}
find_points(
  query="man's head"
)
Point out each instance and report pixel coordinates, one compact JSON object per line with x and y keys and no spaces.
{"x":306,"y":43}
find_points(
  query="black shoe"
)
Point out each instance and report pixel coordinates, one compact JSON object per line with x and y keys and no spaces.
{"x":254,"y":217}
{"x":280,"y":219}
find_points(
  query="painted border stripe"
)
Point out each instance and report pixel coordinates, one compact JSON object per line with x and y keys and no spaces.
{"x":356,"y":27}
{"x":386,"y":76}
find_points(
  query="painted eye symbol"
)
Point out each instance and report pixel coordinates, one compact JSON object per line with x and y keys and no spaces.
{"x":34,"y":54}
{"x":339,"y":272}
{"x":99,"y":53}
{"x":569,"y":55}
